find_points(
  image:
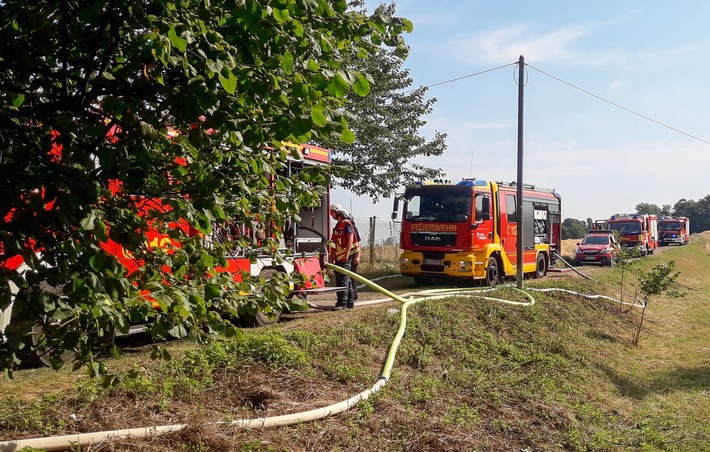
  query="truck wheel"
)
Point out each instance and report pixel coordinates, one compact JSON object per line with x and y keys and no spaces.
{"x":263,"y":318}
{"x":540,"y":266}
{"x":43,"y":354}
{"x":266,"y":316}
{"x":492,"y":272}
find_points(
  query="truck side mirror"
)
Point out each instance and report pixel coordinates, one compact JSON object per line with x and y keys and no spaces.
{"x":395,"y":208}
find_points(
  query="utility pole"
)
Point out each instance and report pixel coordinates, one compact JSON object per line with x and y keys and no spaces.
{"x":519,"y":242}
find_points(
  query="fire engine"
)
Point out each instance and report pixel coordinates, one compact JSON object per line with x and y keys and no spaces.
{"x":673,"y":230}
{"x":303,"y":243}
{"x":468,"y":230}
{"x":637,"y":231}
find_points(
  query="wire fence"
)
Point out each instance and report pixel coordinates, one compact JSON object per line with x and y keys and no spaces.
{"x":379,"y":245}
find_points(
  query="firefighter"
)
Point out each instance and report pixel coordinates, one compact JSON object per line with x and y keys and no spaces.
{"x":344,"y":249}
{"x":356,"y":258}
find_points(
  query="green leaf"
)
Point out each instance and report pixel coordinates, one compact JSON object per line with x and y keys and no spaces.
{"x":212,"y":291}
{"x":318,"y":117}
{"x":18,"y":100}
{"x":287,"y":63}
{"x":281,"y":15}
{"x":313,"y":65}
{"x":229,"y":83}
{"x":340,"y":6}
{"x":177,"y":41}
{"x":347,"y":136}
{"x":361,"y":86}
{"x":338,"y":86}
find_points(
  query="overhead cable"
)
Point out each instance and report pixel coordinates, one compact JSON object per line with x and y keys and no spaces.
{"x":572,"y":86}
{"x":617,"y":105}
{"x":462,"y":77}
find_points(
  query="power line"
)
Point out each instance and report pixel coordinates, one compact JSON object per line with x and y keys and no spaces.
{"x":463,"y":77}
{"x":572,"y":86}
{"x":617,"y":105}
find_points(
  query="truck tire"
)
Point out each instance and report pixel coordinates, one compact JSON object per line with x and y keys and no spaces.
{"x":267,"y":316}
{"x":492,"y":272}
{"x":42,"y":354}
{"x":263,"y":318}
{"x":540,"y":266}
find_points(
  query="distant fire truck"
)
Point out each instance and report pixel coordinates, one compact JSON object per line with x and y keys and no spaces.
{"x":637,"y":231}
{"x":673,"y":230}
{"x":468,"y":230}
{"x":303,"y":243}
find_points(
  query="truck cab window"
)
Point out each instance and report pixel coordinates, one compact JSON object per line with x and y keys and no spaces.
{"x":482,"y":207}
{"x":511,"y":209}
{"x":412,"y":208}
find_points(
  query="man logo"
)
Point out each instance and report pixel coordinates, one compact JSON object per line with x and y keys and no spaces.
{"x":432,"y":238}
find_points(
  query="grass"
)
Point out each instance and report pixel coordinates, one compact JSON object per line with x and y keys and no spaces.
{"x":470,"y":375}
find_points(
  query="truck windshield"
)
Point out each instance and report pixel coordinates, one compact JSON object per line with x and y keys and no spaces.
{"x":626,"y":227}
{"x":669,"y":225}
{"x":438,"y":203}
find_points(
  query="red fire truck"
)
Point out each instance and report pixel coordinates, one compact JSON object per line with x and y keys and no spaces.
{"x":468,"y":230}
{"x":303,"y":243}
{"x":637,"y":231}
{"x":673,"y":230}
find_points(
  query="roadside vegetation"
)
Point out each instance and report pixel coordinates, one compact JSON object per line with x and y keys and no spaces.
{"x":470,"y":374}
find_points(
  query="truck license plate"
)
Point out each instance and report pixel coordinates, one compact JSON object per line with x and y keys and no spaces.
{"x":432,"y":261}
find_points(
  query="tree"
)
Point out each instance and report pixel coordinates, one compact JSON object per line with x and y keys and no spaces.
{"x":573,"y":229}
{"x":644,"y":208}
{"x":386,"y":125}
{"x":88,"y":94}
{"x":697,"y":211}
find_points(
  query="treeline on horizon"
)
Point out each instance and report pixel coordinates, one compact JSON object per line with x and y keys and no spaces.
{"x":697,"y":211}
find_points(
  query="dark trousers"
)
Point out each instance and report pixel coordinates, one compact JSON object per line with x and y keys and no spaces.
{"x":353,"y":282}
{"x":345,"y":296}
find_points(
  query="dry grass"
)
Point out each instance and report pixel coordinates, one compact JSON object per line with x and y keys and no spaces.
{"x":380,"y":260}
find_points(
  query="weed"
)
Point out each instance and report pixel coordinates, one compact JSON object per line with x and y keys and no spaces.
{"x":462,"y":416}
{"x":269,"y":347}
{"x":305,"y":340}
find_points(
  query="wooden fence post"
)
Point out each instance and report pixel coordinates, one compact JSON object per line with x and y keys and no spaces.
{"x":373,"y":222}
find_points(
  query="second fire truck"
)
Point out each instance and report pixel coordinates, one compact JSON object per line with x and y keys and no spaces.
{"x":637,"y":231}
{"x":468,"y":230}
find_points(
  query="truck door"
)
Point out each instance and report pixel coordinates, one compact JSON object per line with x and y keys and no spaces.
{"x":509,"y":227}
{"x":482,"y":226}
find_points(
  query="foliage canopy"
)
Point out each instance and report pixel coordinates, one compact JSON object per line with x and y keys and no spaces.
{"x":104,"y":82}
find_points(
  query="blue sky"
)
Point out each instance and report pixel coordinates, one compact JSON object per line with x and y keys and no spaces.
{"x":650,"y":57}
